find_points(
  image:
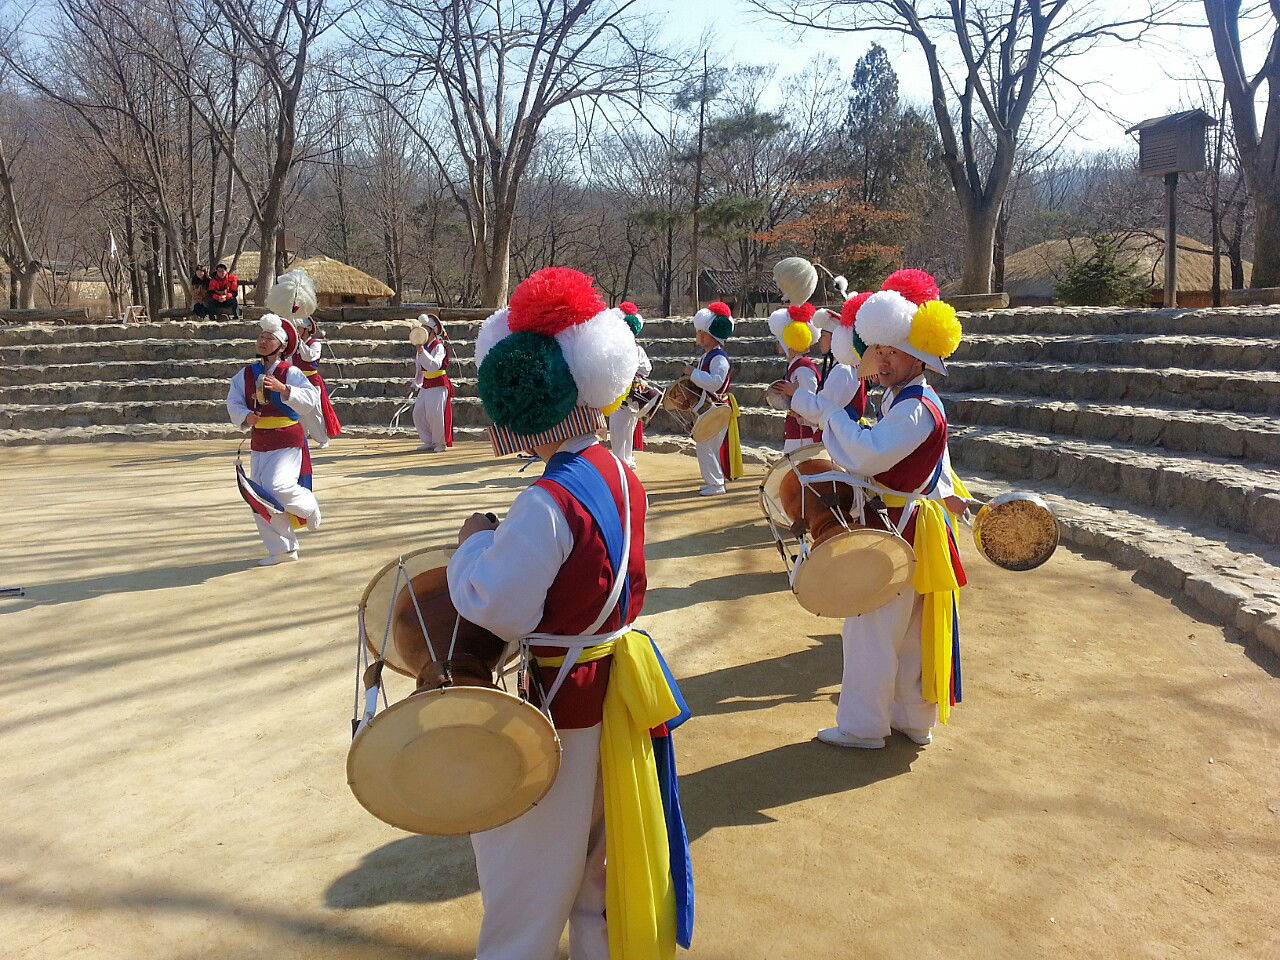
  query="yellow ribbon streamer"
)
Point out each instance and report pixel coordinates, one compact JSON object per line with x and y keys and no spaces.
{"x":640,"y":899}
{"x":735,"y":442}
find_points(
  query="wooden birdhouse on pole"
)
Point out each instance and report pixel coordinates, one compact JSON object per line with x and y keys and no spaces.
{"x":1168,"y":146}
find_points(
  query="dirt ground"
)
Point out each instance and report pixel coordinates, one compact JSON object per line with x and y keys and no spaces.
{"x":176,"y":724}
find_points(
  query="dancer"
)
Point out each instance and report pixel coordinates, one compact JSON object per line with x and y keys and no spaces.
{"x":839,"y":382}
{"x":268,"y":397}
{"x":901,"y":661}
{"x":433,"y":408}
{"x":792,"y":328}
{"x":720,"y":457}
{"x":626,"y":430}
{"x":564,"y":576}
{"x":293,"y":297}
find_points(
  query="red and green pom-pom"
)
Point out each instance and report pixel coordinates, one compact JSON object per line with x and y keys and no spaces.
{"x":525,"y":383}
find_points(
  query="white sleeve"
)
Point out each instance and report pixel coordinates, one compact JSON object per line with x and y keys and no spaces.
{"x":309,"y":351}
{"x":302,"y":395}
{"x":499,"y":578}
{"x":841,"y":386}
{"x":805,"y":378}
{"x":645,"y":367}
{"x":237,"y":405}
{"x":870,"y":450}
{"x":432,"y":361}
{"x":712,"y":380}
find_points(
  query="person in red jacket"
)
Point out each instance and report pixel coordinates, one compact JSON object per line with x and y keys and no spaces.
{"x":224,"y":289}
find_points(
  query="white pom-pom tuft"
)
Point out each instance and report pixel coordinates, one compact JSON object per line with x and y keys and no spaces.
{"x":828,"y":320}
{"x":842,"y":346}
{"x":702,"y":319}
{"x":491,"y":331}
{"x":293,"y":295}
{"x":796,"y":277}
{"x":601,"y":354}
{"x":885,"y":319}
{"x":778,"y":321}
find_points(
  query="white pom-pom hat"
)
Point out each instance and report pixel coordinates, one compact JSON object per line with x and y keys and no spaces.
{"x":715,"y":319}
{"x":292,"y":296}
{"x":281,"y":329}
{"x":796,"y":277}
{"x":792,"y":327}
{"x":888,"y":318}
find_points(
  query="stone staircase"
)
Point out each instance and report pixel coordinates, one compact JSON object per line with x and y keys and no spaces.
{"x":1153,"y":433}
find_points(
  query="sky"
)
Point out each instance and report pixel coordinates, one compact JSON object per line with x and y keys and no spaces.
{"x":1135,"y":81}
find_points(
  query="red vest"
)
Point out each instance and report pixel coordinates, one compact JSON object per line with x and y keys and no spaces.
{"x":581,"y":587}
{"x":278,"y":438}
{"x":308,"y":368}
{"x":705,"y":366}
{"x":793,"y":427}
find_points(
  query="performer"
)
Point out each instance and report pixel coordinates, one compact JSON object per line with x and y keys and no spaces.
{"x":839,"y":382}
{"x":433,"y":409}
{"x":721,"y":456}
{"x":626,"y":430}
{"x":268,"y":397}
{"x":792,"y":327}
{"x":564,"y":576}
{"x":293,"y":297}
{"x":901,"y":661}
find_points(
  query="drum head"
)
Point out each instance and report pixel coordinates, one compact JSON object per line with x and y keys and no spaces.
{"x":1016,"y":531}
{"x":771,"y":486}
{"x":709,"y":425}
{"x":378,"y":601}
{"x":680,"y":396}
{"x":776,"y":398}
{"x":456,"y":760}
{"x":853,"y":573}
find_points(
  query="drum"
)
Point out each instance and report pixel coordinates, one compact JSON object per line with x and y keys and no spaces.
{"x":644,"y":398}
{"x":775,"y":398}
{"x":701,"y":415}
{"x":1016,"y":531}
{"x":838,"y":565}
{"x":459,"y":754}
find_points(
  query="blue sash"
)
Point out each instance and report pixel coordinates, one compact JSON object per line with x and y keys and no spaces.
{"x":586,"y":485}
{"x":920,"y":392}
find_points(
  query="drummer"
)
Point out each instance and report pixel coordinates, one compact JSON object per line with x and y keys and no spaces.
{"x":792,"y":327}
{"x":720,"y":456}
{"x":901,"y":661}
{"x":839,"y":382}
{"x":564,"y":574}
{"x":626,"y":431}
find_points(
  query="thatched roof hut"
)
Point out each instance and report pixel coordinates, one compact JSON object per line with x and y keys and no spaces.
{"x":1031,"y":276}
{"x":337,"y":284}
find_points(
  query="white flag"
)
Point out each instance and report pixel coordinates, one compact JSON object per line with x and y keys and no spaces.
{"x":111,"y":248}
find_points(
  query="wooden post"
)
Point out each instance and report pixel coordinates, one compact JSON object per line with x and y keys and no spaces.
{"x":1171,"y":240}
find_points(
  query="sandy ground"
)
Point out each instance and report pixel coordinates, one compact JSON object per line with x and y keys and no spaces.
{"x":176,"y":723}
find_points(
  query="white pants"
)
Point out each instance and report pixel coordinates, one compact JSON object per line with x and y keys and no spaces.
{"x":428,"y":415}
{"x":709,"y":459}
{"x":622,"y":433}
{"x":546,"y":868}
{"x":277,"y":472}
{"x":881,"y":683}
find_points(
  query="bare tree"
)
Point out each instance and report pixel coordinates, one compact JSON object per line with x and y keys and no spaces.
{"x":987,"y":60}
{"x":1258,"y":146}
{"x":16,"y":249}
{"x":488,"y":74}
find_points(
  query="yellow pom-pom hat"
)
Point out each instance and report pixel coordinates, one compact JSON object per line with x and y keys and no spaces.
{"x":906,"y":314}
{"x":793,"y":326}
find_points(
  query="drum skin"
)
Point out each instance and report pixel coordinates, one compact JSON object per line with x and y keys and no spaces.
{"x":682,"y":396}
{"x":805,"y":506}
{"x":476,"y":651}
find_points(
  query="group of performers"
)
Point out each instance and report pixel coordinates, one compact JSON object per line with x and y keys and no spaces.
{"x":562,"y":577}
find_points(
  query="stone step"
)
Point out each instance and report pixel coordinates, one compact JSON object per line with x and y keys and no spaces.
{"x":120,"y":371}
{"x":1234,"y":577}
{"x":1237,"y":496}
{"x":1130,"y":350}
{"x":1239,"y":390}
{"x":196,"y":431}
{"x":1232,"y":435}
{"x":1251,"y":321}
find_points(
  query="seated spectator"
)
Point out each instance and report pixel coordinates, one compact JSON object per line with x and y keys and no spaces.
{"x":200,"y":291}
{"x":223,"y":287}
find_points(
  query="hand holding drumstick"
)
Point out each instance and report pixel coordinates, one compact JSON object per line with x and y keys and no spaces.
{"x":474,"y":524}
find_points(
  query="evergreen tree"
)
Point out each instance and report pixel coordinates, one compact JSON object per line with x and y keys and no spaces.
{"x":1103,"y":277}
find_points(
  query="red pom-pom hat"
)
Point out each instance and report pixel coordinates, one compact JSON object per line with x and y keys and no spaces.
{"x":552,"y":300}
{"x":627,"y":307}
{"x":916,"y":285}
{"x":720,"y":308}
{"x":802,"y":312}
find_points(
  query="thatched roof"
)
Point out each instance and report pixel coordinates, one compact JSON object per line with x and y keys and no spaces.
{"x":333,"y":278}
{"x":1035,"y":271}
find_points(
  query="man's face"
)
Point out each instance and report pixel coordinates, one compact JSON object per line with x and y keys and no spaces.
{"x":824,"y":341}
{"x":220,"y":272}
{"x":267,"y":344}
{"x":889,"y":366}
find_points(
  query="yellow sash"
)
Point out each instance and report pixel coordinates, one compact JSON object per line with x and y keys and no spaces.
{"x":735,"y":443}
{"x":432,"y":376}
{"x":640,"y":899}
{"x":273,"y":423}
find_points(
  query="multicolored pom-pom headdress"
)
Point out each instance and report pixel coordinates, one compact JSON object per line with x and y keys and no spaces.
{"x":905,"y":314}
{"x":716,"y":319}
{"x":631,"y":314}
{"x":551,"y":360}
{"x":792,"y":325}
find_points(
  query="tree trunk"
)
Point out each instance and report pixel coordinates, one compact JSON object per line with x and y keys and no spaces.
{"x":1266,"y":232}
{"x":26,"y":285}
{"x":497,"y":276}
{"x":979,"y":249}
{"x":998,"y":249}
